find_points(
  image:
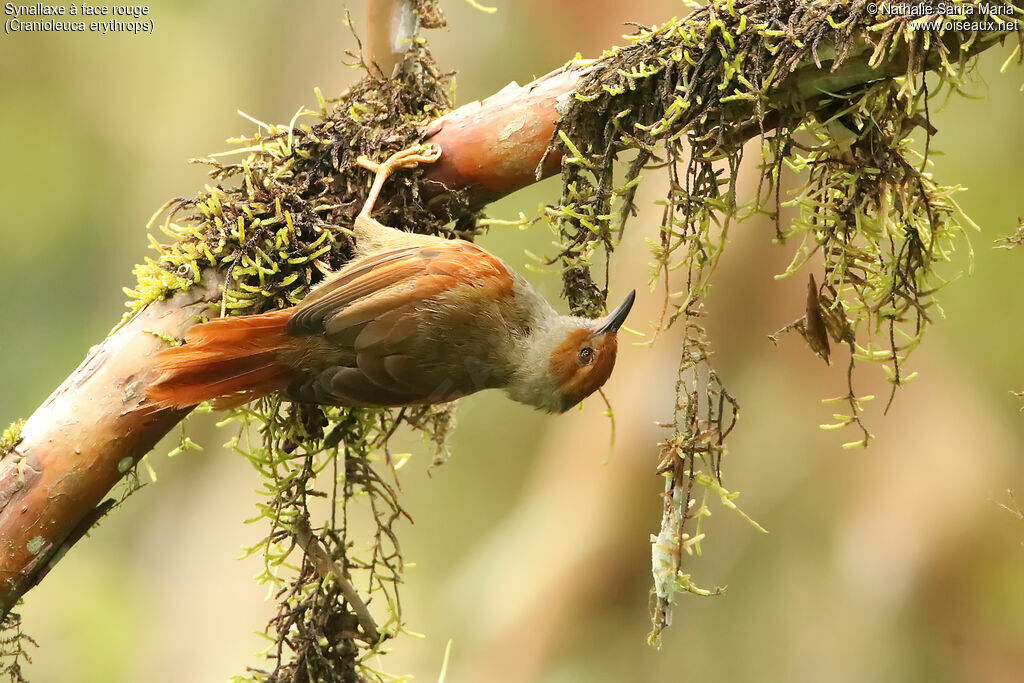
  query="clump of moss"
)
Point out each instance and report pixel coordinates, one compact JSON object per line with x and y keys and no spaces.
{"x":11,"y":437}
{"x":283,"y":224}
{"x":833,"y":93}
{"x":1012,"y":241}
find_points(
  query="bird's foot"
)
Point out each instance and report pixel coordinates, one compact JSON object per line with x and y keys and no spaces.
{"x":406,"y":158}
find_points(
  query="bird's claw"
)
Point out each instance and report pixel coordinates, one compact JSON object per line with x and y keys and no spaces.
{"x":406,"y":158}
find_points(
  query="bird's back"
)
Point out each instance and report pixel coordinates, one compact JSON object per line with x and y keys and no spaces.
{"x":425,"y":321}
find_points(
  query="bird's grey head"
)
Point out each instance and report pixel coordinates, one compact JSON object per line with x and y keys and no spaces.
{"x":569,"y":360}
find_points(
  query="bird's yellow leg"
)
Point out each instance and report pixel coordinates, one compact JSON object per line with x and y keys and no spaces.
{"x":407,"y":158}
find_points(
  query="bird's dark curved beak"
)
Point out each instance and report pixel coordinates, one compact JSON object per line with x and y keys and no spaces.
{"x":613,"y":321}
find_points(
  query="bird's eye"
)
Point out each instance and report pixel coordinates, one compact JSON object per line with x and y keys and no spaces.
{"x":586,"y":355}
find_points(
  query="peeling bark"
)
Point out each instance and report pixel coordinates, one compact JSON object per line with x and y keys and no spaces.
{"x":82,"y":440}
{"x":495,"y":147}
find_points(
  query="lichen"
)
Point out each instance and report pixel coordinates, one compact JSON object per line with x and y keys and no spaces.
{"x":809,"y":80}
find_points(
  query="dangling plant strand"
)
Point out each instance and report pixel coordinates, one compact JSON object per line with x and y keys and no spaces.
{"x":685,"y":97}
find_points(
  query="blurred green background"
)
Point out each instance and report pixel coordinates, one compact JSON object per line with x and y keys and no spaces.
{"x":532,"y":555}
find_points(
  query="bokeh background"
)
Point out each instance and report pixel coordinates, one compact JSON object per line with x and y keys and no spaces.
{"x":532,"y":554}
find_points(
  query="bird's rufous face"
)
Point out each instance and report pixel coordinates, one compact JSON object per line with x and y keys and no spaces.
{"x":582,"y":364}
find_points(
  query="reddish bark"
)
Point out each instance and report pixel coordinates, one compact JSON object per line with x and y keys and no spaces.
{"x":81,"y":441}
{"x":493,"y":148}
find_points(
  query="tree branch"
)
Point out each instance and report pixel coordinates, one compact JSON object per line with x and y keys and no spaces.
{"x":85,"y":437}
{"x":495,"y":147}
{"x":82,"y":440}
{"x":326,"y":568}
{"x":392,"y":28}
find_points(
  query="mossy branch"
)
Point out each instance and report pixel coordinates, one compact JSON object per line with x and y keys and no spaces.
{"x":834,"y":93}
{"x":264,"y":243}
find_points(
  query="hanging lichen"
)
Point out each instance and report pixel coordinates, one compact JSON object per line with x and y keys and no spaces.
{"x":687,"y":96}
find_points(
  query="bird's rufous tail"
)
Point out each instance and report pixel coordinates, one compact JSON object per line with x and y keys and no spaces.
{"x":232,"y":359}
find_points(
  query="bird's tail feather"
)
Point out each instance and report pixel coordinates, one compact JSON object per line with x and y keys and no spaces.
{"x":234,"y":360}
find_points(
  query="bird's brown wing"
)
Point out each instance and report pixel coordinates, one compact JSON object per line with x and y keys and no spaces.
{"x":378,"y":308}
{"x":347,"y":285}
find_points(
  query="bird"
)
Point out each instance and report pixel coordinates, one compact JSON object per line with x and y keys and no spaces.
{"x":410,"y":320}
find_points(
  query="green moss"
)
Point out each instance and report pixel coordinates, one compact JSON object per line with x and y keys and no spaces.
{"x":685,"y":96}
{"x":808,"y":79}
{"x":281,"y":225}
{"x":303,"y":453}
{"x":10,"y":437}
